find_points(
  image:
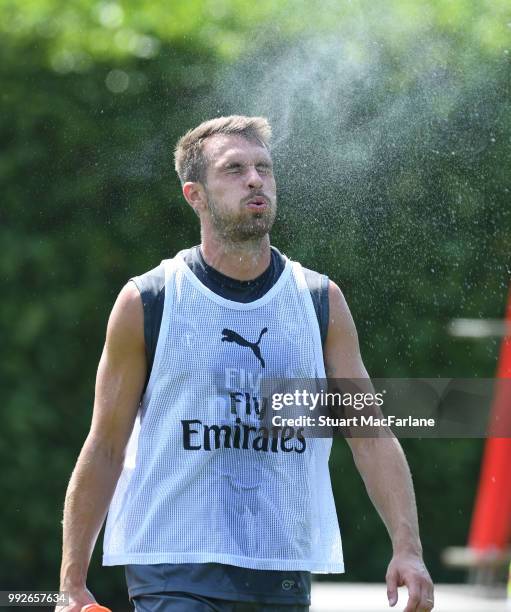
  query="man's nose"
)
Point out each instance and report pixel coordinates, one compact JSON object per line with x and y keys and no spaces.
{"x":254,"y":179}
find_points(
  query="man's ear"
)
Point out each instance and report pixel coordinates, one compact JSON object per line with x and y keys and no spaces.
{"x":195,"y":196}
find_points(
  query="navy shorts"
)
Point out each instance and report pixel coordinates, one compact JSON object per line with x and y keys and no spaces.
{"x":215,"y":587}
{"x":184,"y":602}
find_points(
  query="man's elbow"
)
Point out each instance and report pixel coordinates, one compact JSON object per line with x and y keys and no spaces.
{"x":366,"y":450}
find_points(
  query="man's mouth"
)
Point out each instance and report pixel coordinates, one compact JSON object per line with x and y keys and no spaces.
{"x":257,"y":203}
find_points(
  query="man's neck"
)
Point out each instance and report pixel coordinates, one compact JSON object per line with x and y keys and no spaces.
{"x":239,"y":260}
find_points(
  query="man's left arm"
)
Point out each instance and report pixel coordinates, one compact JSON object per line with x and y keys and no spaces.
{"x":383,"y":467}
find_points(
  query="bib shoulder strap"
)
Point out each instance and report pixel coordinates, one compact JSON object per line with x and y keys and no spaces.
{"x":318,"y":287}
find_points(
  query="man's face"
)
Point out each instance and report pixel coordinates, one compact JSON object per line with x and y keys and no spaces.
{"x":240,"y":187}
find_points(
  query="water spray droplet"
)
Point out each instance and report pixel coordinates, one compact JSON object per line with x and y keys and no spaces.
{"x":117,"y":81}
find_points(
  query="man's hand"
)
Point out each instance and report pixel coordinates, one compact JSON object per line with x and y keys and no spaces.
{"x":77,"y":599}
{"x":409,"y":570}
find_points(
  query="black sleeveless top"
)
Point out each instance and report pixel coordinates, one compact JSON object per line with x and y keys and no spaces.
{"x":215,"y":579}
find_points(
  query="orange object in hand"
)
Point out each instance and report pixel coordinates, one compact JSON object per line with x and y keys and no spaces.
{"x":95,"y":608}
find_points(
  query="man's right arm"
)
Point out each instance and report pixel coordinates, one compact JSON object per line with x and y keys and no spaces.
{"x":119,"y":385}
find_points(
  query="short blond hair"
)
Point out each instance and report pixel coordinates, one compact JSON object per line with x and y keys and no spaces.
{"x":189,"y":159}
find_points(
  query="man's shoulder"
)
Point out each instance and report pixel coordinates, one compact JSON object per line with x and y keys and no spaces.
{"x":318,"y":284}
{"x":152,"y":282}
{"x":315,"y":280}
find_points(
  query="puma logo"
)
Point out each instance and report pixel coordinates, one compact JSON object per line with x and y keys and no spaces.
{"x":232,"y":336}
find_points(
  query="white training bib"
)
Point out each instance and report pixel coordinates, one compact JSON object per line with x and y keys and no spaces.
{"x":203,"y":482}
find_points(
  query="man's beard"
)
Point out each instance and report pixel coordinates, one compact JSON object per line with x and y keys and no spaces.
{"x":242,"y":226}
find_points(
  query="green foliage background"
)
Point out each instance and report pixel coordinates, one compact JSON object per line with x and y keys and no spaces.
{"x":393,"y":166}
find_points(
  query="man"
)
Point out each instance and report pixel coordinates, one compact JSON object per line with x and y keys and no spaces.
{"x":210,"y":510}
